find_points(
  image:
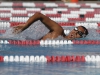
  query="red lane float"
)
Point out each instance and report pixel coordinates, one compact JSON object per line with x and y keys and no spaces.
{"x":2,"y":31}
{"x":26,"y":42}
{"x":65,"y":58}
{"x":95,"y":42}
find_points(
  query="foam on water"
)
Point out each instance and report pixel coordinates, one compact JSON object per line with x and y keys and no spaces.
{"x":35,"y":32}
{"x":93,"y":35}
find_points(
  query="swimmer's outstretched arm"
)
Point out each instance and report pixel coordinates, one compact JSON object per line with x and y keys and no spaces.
{"x":53,"y":26}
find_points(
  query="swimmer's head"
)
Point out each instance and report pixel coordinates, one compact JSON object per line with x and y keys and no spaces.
{"x":77,"y":32}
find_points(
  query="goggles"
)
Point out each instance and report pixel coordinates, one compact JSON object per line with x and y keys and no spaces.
{"x":79,"y":32}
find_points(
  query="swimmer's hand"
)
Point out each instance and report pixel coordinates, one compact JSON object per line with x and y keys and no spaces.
{"x":18,"y":29}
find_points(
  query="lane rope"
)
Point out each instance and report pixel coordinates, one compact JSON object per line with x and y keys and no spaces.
{"x":33,"y":4}
{"x":50,"y":42}
{"x":42,"y":58}
{"x":64,"y":24}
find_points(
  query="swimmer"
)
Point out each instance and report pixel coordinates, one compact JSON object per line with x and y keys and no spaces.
{"x":55,"y":29}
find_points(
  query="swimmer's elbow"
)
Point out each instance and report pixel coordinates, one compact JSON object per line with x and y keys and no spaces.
{"x":37,"y":15}
{"x":41,"y":16}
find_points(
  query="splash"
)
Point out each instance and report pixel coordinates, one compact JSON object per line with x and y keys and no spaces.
{"x":35,"y":32}
{"x":93,"y":35}
{"x":38,"y":30}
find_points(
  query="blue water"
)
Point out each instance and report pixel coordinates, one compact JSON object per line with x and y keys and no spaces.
{"x":60,"y":68}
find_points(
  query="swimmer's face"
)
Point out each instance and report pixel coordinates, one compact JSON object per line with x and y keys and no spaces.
{"x":77,"y":32}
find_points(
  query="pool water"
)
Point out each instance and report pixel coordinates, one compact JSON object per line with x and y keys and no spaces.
{"x":52,"y":68}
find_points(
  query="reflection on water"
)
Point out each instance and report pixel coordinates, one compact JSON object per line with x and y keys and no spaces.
{"x":50,"y":50}
{"x":71,"y":68}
